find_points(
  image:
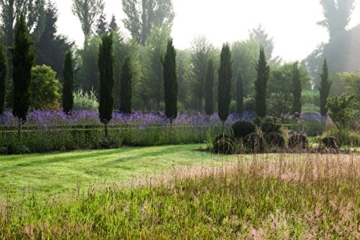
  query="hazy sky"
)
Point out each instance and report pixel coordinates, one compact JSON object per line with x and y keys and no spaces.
{"x":292,"y":23}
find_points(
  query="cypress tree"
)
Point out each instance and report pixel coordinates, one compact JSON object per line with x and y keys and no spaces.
{"x":68,"y":88}
{"x":23,"y":59}
{"x":225,"y":76}
{"x":263,"y":72}
{"x":324,"y":88}
{"x":106,"y":68}
{"x":4,"y":69}
{"x":296,"y":90}
{"x":209,"y":89}
{"x":239,"y":92}
{"x":170,"y":81}
{"x":125,"y":86}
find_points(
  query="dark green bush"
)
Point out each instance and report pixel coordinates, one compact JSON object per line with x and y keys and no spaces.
{"x":271,"y":125}
{"x":242,"y":128}
{"x":224,"y":144}
{"x":275,"y":139}
{"x":255,"y":142}
{"x":331,"y":142}
{"x":298,"y":141}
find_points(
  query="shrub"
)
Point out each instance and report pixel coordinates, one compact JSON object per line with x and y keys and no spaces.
{"x":255,"y":142}
{"x":275,"y":139}
{"x":224,"y":144}
{"x":270,"y":124}
{"x":85,"y":101}
{"x":331,"y":142}
{"x":242,"y":128}
{"x":298,"y":141}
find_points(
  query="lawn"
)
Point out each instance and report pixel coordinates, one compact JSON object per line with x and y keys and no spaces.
{"x":188,"y":193}
{"x":49,"y":174}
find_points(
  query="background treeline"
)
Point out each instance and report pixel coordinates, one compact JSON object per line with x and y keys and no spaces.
{"x":149,"y":24}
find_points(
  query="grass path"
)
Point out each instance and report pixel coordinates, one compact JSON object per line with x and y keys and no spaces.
{"x":48,"y":174}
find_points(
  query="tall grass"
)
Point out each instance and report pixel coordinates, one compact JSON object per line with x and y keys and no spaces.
{"x":269,"y":197}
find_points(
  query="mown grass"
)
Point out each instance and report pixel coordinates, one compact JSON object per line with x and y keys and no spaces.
{"x":49,"y":174}
{"x":272,"y":196}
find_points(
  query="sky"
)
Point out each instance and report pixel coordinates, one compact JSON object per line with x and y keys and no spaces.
{"x":291,"y":23}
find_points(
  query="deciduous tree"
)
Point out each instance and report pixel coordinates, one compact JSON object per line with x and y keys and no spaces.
{"x":209,"y":88}
{"x":296,"y":89}
{"x":239,"y":92}
{"x":126,"y":86}
{"x":143,"y":15}
{"x":88,"y":11}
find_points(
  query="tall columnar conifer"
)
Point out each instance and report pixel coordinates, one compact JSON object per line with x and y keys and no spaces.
{"x":68,"y":88}
{"x":209,"y":88}
{"x":297,"y":88}
{"x":225,"y":77}
{"x":325,"y":85}
{"x":263,"y":72}
{"x":23,"y":59}
{"x":170,"y":81}
{"x":106,"y":68}
{"x":239,"y":92}
{"x":126,"y":86}
{"x":4,"y":69}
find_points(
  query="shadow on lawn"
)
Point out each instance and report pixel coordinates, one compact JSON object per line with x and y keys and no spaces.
{"x":59,"y":158}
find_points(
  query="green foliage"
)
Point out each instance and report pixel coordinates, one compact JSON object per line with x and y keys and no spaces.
{"x":255,"y":142}
{"x":85,"y":100}
{"x":87,"y":73}
{"x":352,"y":83}
{"x":4,"y":69}
{"x":68,"y":88}
{"x":296,"y":89}
{"x":345,"y":137}
{"x":209,"y":88}
{"x":106,"y":68}
{"x":51,"y":47}
{"x":245,"y":54}
{"x":242,"y":128}
{"x":280,"y":90}
{"x":325,"y":85}
{"x":331,"y":142}
{"x":142,"y":16}
{"x":126,"y":86}
{"x":298,"y":141}
{"x":340,"y":110}
{"x":239,"y":92}
{"x":23,"y":59}
{"x":224,"y":144}
{"x":200,"y":55}
{"x":88,"y":12}
{"x":44,"y":88}
{"x":275,"y":139}
{"x":225,"y":77}
{"x":271,"y":125}
{"x":151,"y":87}
{"x":184,"y":73}
{"x":263,"y":71}
{"x":170,"y":81}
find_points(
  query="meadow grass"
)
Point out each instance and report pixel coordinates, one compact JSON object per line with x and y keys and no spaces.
{"x":267,"y":196}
